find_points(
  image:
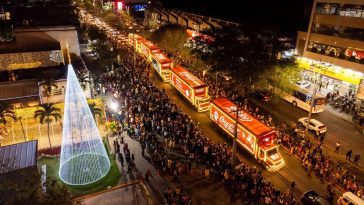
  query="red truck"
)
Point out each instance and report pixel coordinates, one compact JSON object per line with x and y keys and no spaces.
{"x":253,"y":135}
{"x":192,"y":88}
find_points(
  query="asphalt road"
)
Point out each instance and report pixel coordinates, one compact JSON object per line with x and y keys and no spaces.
{"x":282,"y":179}
{"x":338,"y":129}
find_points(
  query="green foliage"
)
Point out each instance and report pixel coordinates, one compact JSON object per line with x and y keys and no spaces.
{"x":111,"y":179}
{"x":279,"y":79}
{"x":111,"y":17}
{"x":94,"y":33}
{"x":172,"y":39}
{"x":23,"y":187}
{"x":113,"y":126}
{"x":6,"y":31}
{"x":95,"y":110}
{"x":6,"y":112}
{"x":46,"y":113}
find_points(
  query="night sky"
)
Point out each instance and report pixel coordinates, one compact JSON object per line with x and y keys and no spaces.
{"x":285,"y":15}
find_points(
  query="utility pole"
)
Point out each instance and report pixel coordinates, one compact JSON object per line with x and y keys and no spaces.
{"x":233,"y":157}
{"x":317,"y":81}
{"x":311,"y":105}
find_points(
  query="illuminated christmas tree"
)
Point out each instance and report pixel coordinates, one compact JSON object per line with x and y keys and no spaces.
{"x":83,"y":156}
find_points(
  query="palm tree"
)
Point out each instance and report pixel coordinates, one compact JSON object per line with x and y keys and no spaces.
{"x":6,"y":112}
{"x":48,"y":85}
{"x":46,"y":114}
{"x":95,"y":111}
{"x":83,"y":78}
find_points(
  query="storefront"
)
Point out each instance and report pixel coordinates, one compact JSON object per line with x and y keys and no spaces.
{"x":334,"y":78}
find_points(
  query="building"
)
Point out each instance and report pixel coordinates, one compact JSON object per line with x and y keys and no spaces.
{"x":34,"y":55}
{"x":334,"y":45}
{"x":34,"y":49}
{"x":18,"y":169}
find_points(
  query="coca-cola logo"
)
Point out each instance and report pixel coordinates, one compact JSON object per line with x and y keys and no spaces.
{"x":242,"y":115}
{"x":216,"y":115}
{"x":226,"y":124}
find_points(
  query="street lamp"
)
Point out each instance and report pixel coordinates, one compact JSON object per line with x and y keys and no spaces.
{"x":114,"y":106}
{"x":317,"y":82}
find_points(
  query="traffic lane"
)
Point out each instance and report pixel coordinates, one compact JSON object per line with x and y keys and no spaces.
{"x":291,"y":172}
{"x":338,"y":129}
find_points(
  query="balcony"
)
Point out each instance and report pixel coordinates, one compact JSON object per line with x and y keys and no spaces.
{"x":346,"y":21}
{"x":336,"y":41}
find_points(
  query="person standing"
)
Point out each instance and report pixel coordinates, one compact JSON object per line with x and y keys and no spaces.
{"x":356,"y":158}
{"x":337,"y":147}
{"x":348,"y":154}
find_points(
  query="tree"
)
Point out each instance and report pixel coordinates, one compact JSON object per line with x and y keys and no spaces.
{"x":48,"y":85}
{"x":246,"y":54}
{"x":172,"y":38}
{"x":280,"y":78}
{"x":95,"y":110}
{"x":6,"y":113}
{"x":46,"y":114}
{"x":83,"y":78}
{"x":23,"y":186}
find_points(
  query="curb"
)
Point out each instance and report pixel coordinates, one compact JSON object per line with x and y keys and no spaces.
{"x":106,"y":190}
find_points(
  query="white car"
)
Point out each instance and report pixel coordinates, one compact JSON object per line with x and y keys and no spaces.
{"x":314,"y":125}
{"x":303,"y":84}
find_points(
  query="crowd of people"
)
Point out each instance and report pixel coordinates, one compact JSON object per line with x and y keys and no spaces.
{"x":292,"y":138}
{"x":160,"y":126}
{"x":148,"y":113}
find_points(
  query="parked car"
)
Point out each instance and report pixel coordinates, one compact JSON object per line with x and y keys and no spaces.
{"x":315,"y":126}
{"x":263,"y":95}
{"x":304,"y":83}
{"x":313,"y":198}
{"x":348,"y":198}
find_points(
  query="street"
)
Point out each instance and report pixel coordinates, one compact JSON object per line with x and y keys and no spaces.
{"x":338,"y":129}
{"x":293,"y":170}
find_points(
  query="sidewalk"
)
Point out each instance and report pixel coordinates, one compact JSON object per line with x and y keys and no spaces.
{"x":156,"y":185}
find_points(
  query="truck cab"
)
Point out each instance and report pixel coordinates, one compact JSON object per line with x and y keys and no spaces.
{"x":202,"y":103}
{"x":271,"y":157}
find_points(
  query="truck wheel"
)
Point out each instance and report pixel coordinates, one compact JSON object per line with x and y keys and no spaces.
{"x":294,"y":103}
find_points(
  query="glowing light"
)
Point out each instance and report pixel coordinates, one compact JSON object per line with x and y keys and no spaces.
{"x":114,"y":106}
{"x":83,"y":156}
{"x":119,"y":5}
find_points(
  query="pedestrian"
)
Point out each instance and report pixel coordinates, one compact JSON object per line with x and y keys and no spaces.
{"x":348,"y":154}
{"x":121,"y":158}
{"x":337,"y":147}
{"x":356,"y":158}
{"x":322,"y":137}
{"x":147,"y":176}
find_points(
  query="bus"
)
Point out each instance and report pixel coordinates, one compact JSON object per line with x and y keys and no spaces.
{"x":301,"y":97}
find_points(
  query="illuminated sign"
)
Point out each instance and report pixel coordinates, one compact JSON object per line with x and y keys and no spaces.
{"x":182,"y":87}
{"x":190,"y":79}
{"x":228,"y":124}
{"x":119,"y":5}
{"x":14,"y":66}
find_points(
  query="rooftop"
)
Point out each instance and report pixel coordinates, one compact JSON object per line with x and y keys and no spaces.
{"x":30,"y":42}
{"x":18,"y":156}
